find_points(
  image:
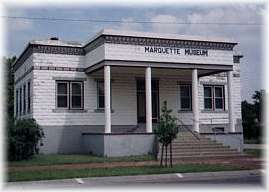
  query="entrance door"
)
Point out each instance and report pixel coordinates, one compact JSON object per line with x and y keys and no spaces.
{"x":141,"y":101}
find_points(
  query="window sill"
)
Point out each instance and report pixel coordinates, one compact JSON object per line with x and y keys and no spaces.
{"x":69,"y":111}
{"x":102,"y":110}
{"x":212,"y":111}
{"x":184,"y":111}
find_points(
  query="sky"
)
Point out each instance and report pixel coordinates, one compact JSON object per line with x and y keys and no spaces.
{"x":250,"y":37}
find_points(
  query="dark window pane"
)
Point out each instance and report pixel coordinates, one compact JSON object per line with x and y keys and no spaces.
{"x":154,"y":85}
{"x":76,"y":89}
{"x":207,"y":92}
{"x":184,"y":91}
{"x":62,"y":88}
{"x":185,"y":103}
{"x":218,"y":92}
{"x":29,"y":97}
{"x":208,"y":103}
{"x":140,"y":85}
{"x":101,"y":102}
{"x":61,"y":101}
{"x":219,"y":103}
{"x":76,"y":102}
{"x":101,"y":88}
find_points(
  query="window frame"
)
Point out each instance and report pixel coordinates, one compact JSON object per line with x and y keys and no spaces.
{"x":24,"y":100}
{"x":17,"y":102}
{"x":190,"y":97}
{"x":98,"y":81}
{"x":213,"y":98}
{"x":98,"y":95}
{"x":223,"y":98}
{"x":20,"y":101}
{"x":71,"y":94}
{"x":29,"y":97}
{"x":67,"y":94}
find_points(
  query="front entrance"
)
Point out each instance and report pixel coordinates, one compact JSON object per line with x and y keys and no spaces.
{"x":141,"y":100}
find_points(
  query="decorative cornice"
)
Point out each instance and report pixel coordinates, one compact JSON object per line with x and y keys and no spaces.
{"x":94,"y":44}
{"x":53,"y":49}
{"x":49,"y":68}
{"x":49,"y":49}
{"x":114,"y":39}
{"x":168,"y":42}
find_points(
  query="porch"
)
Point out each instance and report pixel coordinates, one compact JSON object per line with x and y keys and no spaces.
{"x":131,"y":97}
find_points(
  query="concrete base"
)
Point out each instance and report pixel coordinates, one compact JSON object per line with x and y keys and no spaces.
{"x":68,"y":139}
{"x":119,"y":144}
{"x":234,"y":140}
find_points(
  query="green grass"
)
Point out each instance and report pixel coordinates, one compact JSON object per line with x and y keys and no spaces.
{"x":252,"y":141}
{"x":73,"y":159}
{"x":120,"y":171}
{"x":254,"y":152}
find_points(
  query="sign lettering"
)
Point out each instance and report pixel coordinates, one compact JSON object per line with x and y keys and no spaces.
{"x":176,"y":51}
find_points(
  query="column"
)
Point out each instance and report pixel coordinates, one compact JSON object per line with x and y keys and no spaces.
{"x":230,"y":101}
{"x":195,"y":101}
{"x":148,"y":100}
{"x":107,"y":99}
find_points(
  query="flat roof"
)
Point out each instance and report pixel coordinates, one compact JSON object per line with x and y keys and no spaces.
{"x":159,"y":36}
{"x":57,"y":43}
{"x":114,"y":32}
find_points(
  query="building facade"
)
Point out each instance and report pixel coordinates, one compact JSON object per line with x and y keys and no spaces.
{"x":104,"y":96}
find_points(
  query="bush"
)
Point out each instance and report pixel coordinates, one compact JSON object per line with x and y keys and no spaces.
{"x":24,"y":137}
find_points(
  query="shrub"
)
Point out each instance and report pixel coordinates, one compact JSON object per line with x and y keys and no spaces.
{"x":166,"y":131}
{"x":24,"y":137}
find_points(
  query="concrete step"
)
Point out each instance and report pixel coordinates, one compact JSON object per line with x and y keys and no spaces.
{"x":191,"y":153}
{"x":205,"y":157}
{"x":197,"y":146}
{"x":194,"y":142}
{"x":191,"y":139}
{"x":203,"y":150}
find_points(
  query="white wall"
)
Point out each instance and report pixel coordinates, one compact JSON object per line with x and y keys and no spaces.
{"x":25,"y":67}
{"x":123,"y":90}
{"x":137,"y":53}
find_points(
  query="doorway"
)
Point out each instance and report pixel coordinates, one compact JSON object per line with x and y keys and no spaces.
{"x":141,"y":100}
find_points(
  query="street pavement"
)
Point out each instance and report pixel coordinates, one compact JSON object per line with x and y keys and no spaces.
{"x":253,"y":178}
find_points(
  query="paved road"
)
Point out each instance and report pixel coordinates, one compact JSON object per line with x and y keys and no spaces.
{"x":242,"y":178}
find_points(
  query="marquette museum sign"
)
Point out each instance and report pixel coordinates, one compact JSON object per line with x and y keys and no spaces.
{"x":176,"y":51}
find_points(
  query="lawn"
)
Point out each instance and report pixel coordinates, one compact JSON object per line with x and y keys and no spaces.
{"x":118,"y":171}
{"x":74,"y":159}
{"x":254,"y":152}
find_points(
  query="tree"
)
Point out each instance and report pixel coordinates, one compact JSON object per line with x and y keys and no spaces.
{"x":252,"y":116}
{"x":166,"y":132}
{"x":9,"y":91}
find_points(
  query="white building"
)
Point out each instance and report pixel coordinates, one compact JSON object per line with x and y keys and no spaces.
{"x":98,"y":97}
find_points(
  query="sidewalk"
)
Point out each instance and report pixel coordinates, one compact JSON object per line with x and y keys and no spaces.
{"x":248,"y":177}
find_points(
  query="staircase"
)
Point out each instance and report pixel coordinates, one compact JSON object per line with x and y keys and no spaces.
{"x":189,"y":145}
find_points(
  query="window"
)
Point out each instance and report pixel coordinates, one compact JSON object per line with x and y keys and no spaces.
{"x":76,"y":95}
{"x":208,"y":97}
{"x":219,"y":98}
{"x":100,"y":95}
{"x":69,"y":94}
{"x":17,"y":102}
{"x":185,"y":97}
{"x":62,"y":94}
{"x":20,"y":102}
{"x":29,"y":97}
{"x":24,"y":99}
{"x":214,"y":97}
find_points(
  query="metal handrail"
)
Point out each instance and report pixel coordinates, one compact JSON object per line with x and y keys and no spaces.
{"x":186,"y":128}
